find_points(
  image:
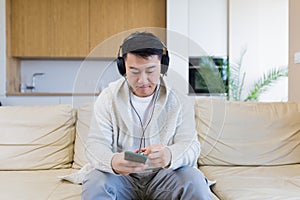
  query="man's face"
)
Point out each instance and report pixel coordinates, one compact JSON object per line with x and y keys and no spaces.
{"x":142,"y":74}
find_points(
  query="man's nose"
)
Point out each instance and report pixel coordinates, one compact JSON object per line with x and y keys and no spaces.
{"x":143,"y":77}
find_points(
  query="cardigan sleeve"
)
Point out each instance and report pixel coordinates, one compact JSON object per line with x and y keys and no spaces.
{"x":99,"y":142}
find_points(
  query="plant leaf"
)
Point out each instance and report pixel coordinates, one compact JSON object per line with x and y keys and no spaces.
{"x":236,"y":78}
{"x":262,"y":84}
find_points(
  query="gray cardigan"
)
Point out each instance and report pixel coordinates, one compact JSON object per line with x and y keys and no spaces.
{"x":112,"y":127}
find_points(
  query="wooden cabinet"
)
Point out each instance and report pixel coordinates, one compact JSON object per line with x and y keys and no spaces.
{"x":50,"y":28}
{"x":46,"y":29}
{"x":108,"y":18}
{"x":70,"y":28}
{"x":145,"y":13}
{"x":30,"y":27}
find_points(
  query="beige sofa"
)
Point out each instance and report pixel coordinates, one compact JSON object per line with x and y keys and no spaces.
{"x":38,"y":144}
{"x":251,"y":150}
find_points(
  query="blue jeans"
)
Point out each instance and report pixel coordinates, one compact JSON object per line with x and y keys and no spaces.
{"x":184,"y":183}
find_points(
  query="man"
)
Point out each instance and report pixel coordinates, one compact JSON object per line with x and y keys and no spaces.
{"x":140,"y":113}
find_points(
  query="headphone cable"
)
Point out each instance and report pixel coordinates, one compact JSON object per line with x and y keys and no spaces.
{"x":157,"y":90}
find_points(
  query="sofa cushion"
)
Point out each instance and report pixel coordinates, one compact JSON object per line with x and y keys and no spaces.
{"x":261,"y":182}
{"x":248,"y":133}
{"x":36,"y":137}
{"x":38,"y":185}
{"x":84,"y":115}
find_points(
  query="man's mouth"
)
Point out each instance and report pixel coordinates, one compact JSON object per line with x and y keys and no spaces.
{"x":144,"y":86}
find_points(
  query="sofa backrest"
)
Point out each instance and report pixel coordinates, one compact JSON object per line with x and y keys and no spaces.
{"x":248,"y":133}
{"x":36,"y":137}
{"x":84,"y":115}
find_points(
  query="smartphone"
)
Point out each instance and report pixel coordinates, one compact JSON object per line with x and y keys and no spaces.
{"x":135,"y":157}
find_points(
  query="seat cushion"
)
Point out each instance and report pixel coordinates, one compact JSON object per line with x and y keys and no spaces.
{"x":248,"y":133}
{"x":261,"y":182}
{"x":36,"y":137}
{"x":37,"y":185}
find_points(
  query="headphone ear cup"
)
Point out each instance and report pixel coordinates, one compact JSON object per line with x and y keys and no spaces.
{"x":121,"y":65}
{"x":164,"y":63}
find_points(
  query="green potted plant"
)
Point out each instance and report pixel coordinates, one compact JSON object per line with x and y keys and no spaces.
{"x":237,"y":78}
{"x":210,"y":77}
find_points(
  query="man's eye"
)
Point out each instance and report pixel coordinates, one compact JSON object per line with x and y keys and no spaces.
{"x":135,"y":73}
{"x":149,"y":72}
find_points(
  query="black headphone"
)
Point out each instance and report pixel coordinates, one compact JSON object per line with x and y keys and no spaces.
{"x":142,"y":38}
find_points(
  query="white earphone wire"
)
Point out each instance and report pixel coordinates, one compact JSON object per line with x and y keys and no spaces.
{"x":157,"y":90}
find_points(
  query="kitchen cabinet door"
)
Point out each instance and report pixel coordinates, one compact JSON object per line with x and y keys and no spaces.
{"x":145,"y":13}
{"x":30,"y":28}
{"x":70,"y":28}
{"x":108,"y":18}
{"x":50,"y":28}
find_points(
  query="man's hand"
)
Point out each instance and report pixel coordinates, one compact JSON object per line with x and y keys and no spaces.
{"x":158,"y":155}
{"x":125,"y":167}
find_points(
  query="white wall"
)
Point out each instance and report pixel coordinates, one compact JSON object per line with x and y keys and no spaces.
{"x":195,"y":28}
{"x":262,"y":28}
{"x":2,"y":48}
{"x":66,"y":76}
{"x":207,"y":26}
{"x":177,"y":42}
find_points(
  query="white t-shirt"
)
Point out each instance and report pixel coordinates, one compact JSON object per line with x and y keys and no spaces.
{"x":141,"y":114}
{"x":144,"y":109}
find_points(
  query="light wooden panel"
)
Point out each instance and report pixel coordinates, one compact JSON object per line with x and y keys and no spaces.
{"x":70,"y":28}
{"x":12,"y":64}
{"x":30,"y":27}
{"x":107,"y":18}
{"x":50,"y":28}
{"x":145,"y":13}
{"x":13,"y":75}
{"x":294,"y":46}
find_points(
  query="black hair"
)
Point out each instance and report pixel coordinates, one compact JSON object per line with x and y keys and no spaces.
{"x":142,"y":44}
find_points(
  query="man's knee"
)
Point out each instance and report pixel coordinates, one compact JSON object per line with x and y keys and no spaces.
{"x":193,"y":182}
{"x":103,"y":185}
{"x":190,"y":174}
{"x":93,"y":179}
{"x":93,"y":185}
